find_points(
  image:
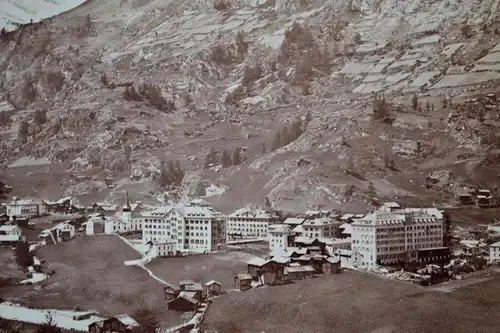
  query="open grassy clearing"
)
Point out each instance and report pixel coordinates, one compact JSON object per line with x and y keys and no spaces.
{"x":351,"y":302}
{"x":90,"y":274}
{"x":219,"y":266}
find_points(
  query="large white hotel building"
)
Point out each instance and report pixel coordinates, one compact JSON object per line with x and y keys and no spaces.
{"x":392,"y":234}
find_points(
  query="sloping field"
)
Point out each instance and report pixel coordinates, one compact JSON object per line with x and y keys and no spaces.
{"x":221,"y":267}
{"x":90,"y":274}
{"x":351,"y":302}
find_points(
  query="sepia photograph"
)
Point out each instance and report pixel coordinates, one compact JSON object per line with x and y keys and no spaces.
{"x":250,"y":166}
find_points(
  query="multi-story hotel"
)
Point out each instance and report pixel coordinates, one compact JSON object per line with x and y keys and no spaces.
{"x":247,"y":223}
{"x":323,"y":227}
{"x":280,"y":236}
{"x":194,"y":226}
{"x":391,"y":234}
{"x":25,"y":208}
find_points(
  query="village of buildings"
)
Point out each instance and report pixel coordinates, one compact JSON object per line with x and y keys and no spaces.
{"x":409,"y":244}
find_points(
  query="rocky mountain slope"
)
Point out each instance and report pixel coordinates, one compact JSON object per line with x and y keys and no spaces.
{"x":327,"y":103}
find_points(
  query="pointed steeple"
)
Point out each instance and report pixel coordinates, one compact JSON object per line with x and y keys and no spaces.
{"x":126,"y":207}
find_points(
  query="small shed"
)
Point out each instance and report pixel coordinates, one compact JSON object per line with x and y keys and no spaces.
{"x":331,"y":265}
{"x":213,"y":288}
{"x":243,"y":281}
{"x":257,"y":267}
{"x":184,"y":302}
{"x":196,"y":289}
{"x":121,"y":324}
{"x":185,"y":283}
{"x":298,"y":273}
{"x":170,"y":292}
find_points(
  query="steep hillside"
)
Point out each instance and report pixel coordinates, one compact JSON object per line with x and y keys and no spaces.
{"x":328,"y":103}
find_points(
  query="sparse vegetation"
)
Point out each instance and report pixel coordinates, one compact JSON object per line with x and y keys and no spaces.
{"x":23,"y":256}
{"x":221,"y":5}
{"x":146,"y":319}
{"x":24,"y":130}
{"x":151,"y":94}
{"x":171,"y":174}
{"x":210,"y":158}
{"x":381,"y":110}
{"x":222,"y":55}
{"x":414,"y":102}
{"x":241,"y":44}
{"x":251,"y":74}
{"x":40,"y":117}
{"x":286,"y":135}
{"x":49,"y":326}
{"x":466,"y":31}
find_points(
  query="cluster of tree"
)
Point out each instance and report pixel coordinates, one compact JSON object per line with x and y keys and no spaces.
{"x":146,"y":319}
{"x":226,"y":158}
{"x":39,"y":119}
{"x":287,"y":135}
{"x":381,"y":109}
{"x":24,"y":258}
{"x":5,"y":117}
{"x":251,"y":74}
{"x":417,"y":107}
{"x":149,"y":93}
{"x":171,"y":174}
{"x":222,"y":5}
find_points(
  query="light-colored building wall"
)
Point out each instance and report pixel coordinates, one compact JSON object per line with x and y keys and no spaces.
{"x":11,"y":230}
{"x":321,"y":228}
{"x":194,"y":226}
{"x":495,"y":253}
{"x":279,"y":236}
{"x":25,"y":208}
{"x":389,"y":237}
{"x":250,"y":224}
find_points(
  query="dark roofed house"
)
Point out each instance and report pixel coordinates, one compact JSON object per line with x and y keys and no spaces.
{"x":184,"y":302}
{"x":121,"y":324}
{"x":331,"y":265}
{"x":299,"y":272}
{"x":170,"y":292}
{"x":243,"y":281}
{"x":257,"y":266}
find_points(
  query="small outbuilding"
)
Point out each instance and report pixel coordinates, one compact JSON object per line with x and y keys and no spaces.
{"x":185,"y":283}
{"x":121,"y":324}
{"x":184,"y":302}
{"x":196,"y":288}
{"x":243,"y":281}
{"x":170,"y":292}
{"x":331,"y":265}
{"x":299,"y":272}
{"x":213,"y":288}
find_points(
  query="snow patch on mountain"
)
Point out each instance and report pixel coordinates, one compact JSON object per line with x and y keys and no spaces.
{"x":22,"y":11}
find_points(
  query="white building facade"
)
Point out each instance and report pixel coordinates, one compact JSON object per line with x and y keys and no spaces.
{"x":246,"y":223}
{"x":384,"y":237}
{"x":321,"y":228}
{"x":25,"y":208}
{"x":10,"y":230}
{"x":495,"y":252}
{"x":280,"y":236}
{"x":194,"y":226}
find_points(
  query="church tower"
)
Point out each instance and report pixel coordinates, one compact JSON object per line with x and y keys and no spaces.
{"x":127,"y":210}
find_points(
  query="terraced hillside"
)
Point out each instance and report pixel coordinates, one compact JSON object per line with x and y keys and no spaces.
{"x":328,"y":103}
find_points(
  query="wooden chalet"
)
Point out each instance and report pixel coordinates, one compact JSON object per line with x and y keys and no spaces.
{"x":184,"y":283}
{"x":213,"y":288}
{"x":196,"y":289}
{"x":185,"y":301}
{"x":118,"y":324}
{"x":297,"y":272}
{"x":331,"y":265}
{"x":170,"y":292}
{"x":243,"y":281}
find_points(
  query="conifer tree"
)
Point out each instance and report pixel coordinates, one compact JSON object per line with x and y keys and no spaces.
{"x":226,"y":159}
